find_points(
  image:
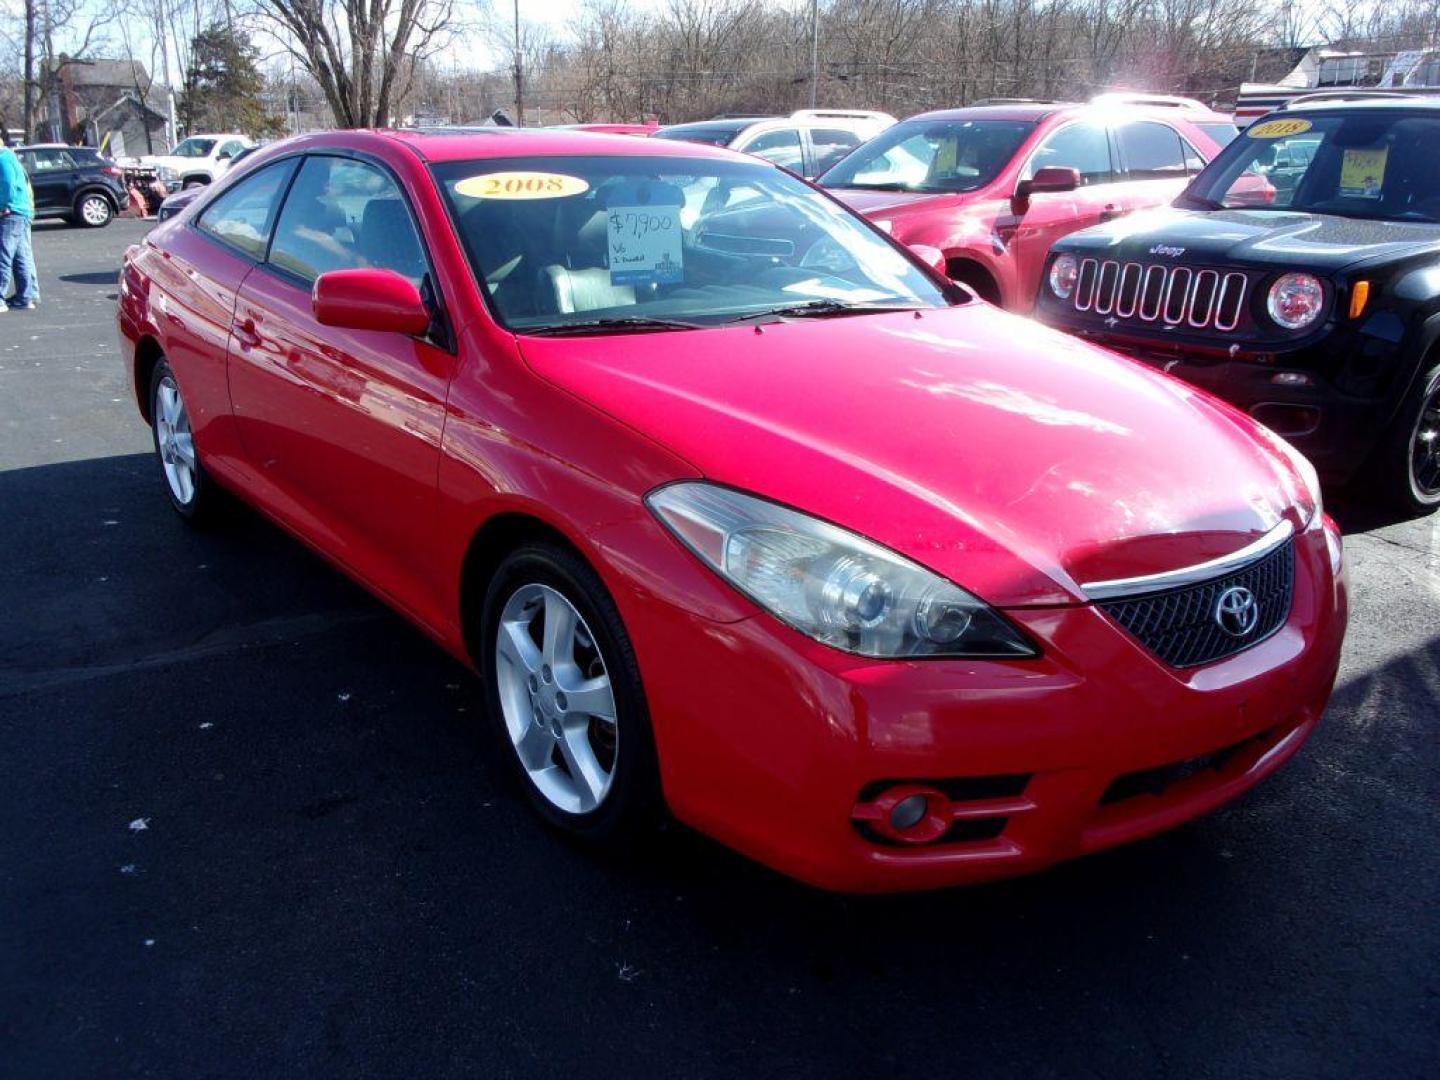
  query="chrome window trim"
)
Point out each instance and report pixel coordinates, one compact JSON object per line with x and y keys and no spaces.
{"x":1190,"y":575}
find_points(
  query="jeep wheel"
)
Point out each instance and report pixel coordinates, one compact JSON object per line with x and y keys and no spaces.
{"x":1409,"y":461}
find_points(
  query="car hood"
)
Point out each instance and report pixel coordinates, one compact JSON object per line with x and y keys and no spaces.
{"x":1010,"y":458}
{"x":179,"y":164}
{"x":1263,"y":238}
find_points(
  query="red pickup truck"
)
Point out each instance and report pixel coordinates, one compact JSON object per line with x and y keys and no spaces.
{"x":994,"y":185}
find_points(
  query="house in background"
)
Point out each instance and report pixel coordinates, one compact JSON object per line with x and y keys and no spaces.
{"x":112,"y":104}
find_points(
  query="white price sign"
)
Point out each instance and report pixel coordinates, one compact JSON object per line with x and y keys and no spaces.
{"x":645,"y":245}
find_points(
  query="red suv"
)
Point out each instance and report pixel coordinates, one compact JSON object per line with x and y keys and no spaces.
{"x":993,"y":186}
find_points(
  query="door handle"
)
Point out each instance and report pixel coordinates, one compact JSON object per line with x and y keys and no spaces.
{"x":246,"y":334}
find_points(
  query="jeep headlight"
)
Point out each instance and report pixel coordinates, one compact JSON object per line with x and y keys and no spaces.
{"x":1296,"y":300}
{"x":1064,"y":272}
{"x":829,"y":583}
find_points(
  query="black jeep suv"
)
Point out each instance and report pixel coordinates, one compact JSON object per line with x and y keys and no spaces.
{"x":1298,"y":277}
{"x":76,"y":183}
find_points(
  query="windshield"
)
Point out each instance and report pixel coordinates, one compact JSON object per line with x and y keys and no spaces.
{"x":932,"y":155}
{"x":1365,"y":164}
{"x":195,"y":148}
{"x":712,"y":134}
{"x":560,"y":241}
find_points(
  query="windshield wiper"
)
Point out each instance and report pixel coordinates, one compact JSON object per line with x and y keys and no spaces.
{"x":617,"y":324}
{"x":879,"y":185}
{"x":819,"y":309}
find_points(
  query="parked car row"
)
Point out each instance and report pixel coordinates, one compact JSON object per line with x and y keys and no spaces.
{"x":1291,"y":278}
{"x":86,"y":188}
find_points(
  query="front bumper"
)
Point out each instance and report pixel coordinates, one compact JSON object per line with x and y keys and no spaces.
{"x":1330,"y":398}
{"x":778,"y":746}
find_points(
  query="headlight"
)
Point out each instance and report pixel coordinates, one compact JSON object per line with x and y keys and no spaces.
{"x":164,"y":172}
{"x":1063,"y":274}
{"x":829,"y":583}
{"x":1296,"y":300}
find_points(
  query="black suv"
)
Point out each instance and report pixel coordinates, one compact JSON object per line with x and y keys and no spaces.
{"x":1298,"y":277}
{"x":76,"y":183}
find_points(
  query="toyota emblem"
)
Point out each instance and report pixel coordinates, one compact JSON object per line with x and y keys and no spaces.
{"x":1237,"y":611}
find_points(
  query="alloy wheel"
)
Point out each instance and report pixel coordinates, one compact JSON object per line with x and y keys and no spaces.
{"x":174,"y":440}
{"x":1425,"y":448}
{"x":556,"y":697}
{"x":95,"y":210}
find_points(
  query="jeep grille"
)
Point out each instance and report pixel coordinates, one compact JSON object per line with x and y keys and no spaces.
{"x":1192,"y":297}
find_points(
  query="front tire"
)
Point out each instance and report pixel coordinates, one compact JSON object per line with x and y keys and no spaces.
{"x":1407,"y":467}
{"x":564,"y":696}
{"x":186,"y":483}
{"x":93,"y":211}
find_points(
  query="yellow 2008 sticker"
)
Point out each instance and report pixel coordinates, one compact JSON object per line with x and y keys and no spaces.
{"x":521,"y":185}
{"x":1278,"y":129}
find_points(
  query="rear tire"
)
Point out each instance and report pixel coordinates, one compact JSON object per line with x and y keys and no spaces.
{"x":1406,"y":467}
{"x":550,"y":627}
{"x":93,"y":211}
{"x":186,"y":483}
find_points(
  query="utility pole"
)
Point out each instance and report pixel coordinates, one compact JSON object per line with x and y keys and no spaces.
{"x":519,"y":78}
{"x":29,"y":105}
{"x":162,"y":35}
{"x":814,"y":49}
{"x":52,"y":81}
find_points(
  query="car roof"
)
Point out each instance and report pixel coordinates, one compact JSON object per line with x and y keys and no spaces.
{"x":447,"y":144}
{"x":723,"y":123}
{"x":1040,"y":110}
{"x":1330,"y":103}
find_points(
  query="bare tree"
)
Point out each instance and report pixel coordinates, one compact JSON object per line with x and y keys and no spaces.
{"x":363,"y":53}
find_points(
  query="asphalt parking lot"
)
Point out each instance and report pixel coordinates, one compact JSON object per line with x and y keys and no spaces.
{"x":248,"y":828}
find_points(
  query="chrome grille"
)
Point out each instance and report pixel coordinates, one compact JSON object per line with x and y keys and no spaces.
{"x":1179,"y":625}
{"x":1200,"y":299}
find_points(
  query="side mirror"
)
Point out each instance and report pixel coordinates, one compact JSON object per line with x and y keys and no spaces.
{"x":1050,"y":178}
{"x":369,"y":300}
{"x":932,"y":257}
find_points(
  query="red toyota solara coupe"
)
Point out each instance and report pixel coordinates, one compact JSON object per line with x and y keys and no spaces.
{"x":736,"y":505}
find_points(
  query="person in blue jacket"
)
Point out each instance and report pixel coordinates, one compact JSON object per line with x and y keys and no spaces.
{"x":17,"y":257}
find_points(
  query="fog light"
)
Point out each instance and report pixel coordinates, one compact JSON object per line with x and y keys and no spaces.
{"x":908,"y":812}
{"x":1291,"y":378}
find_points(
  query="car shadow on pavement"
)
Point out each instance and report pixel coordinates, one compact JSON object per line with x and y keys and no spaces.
{"x":241,"y":789}
{"x":107,"y":277}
